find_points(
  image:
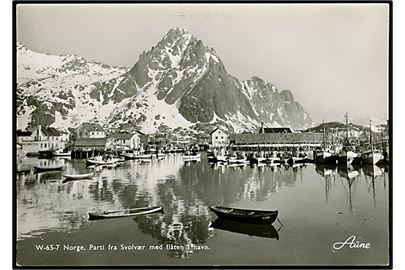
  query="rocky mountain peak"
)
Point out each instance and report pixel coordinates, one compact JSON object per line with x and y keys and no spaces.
{"x":179,"y":82}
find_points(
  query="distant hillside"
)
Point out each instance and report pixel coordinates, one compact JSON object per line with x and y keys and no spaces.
{"x":333,"y":126}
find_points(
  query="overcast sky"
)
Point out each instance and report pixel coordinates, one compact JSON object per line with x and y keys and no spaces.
{"x":333,"y":57}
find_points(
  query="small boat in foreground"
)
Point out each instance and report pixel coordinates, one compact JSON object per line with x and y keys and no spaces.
{"x":78,"y":176}
{"x":48,"y":168}
{"x":245,"y":215}
{"x":125,"y":212}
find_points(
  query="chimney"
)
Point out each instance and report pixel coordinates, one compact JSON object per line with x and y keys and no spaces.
{"x":39,"y":133}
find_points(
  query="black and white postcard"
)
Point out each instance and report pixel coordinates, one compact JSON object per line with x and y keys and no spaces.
{"x":202,"y":134}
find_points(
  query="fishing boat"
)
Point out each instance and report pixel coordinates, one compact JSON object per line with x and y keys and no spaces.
{"x":294,"y":160}
{"x":245,"y":215}
{"x":78,"y":176}
{"x":61,"y":153}
{"x":251,"y":229}
{"x":48,"y":168}
{"x":237,"y":160}
{"x":346,"y":157}
{"x":347,"y":154}
{"x":119,"y":159}
{"x":143,"y":156}
{"x":220,"y":158}
{"x":128,"y":156}
{"x":124,"y":212}
{"x":100,"y":162}
{"x":372,"y":157}
{"x":323,"y":156}
{"x":160,"y":155}
{"x":191,"y":156}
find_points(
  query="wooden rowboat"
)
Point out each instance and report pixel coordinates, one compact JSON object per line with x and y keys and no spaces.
{"x":245,"y":215}
{"x":125,"y":212}
{"x":78,"y":176}
{"x":259,"y":230}
{"x":100,"y":162}
{"x":48,"y":168}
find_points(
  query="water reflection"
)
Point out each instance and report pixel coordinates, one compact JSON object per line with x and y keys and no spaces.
{"x":185,"y":189}
{"x":258,"y":230}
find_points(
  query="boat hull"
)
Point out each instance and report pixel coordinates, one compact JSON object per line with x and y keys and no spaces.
{"x":346,"y":158}
{"x":78,"y":176}
{"x":48,"y":169}
{"x":99,"y":162}
{"x":372,"y":158}
{"x":124,"y":213}
{"x":245,"y":215}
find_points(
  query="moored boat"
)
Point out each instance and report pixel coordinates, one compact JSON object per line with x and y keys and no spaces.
{"x":372,"y":157}
{"x":143,"y":156}
{"x":128,"y":156}
{"x":78,"y":176}
{"x":190,"y":156}
{"x":48,"y":168}
{"x":322,"y":156}
{"x":61,"y":153}
{"x":100,"y":162}
{"x":124,"y":212}
{"x":346,"y":157}
{"x":245,"y":215}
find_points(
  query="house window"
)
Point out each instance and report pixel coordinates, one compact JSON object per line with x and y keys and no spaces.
{"x":45,"y":145}
{"x":216,"y":137}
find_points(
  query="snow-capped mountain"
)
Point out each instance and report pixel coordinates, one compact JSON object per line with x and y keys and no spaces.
{"x":180,"y":82}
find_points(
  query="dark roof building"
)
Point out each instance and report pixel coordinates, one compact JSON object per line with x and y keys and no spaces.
{"x":50,"y":132}
{"x":275,"y":130}
{"x":216,"y":130}
{"x":92,"y":126}
{"x":278,"y":139}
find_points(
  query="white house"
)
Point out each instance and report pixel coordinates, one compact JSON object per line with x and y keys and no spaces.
{"x":90,"y":130}
{"x":43,"y":139}
{"x":124,"y":141}
{"x":218,"y":138}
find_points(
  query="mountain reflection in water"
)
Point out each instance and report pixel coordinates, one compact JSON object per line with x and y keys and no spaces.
{"x":186,"y":189}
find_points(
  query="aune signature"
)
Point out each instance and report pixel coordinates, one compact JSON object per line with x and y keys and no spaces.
{"x":351,"y":242}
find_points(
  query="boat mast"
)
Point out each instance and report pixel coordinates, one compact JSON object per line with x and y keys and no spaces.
{"x":323,"y":135}
{"x":371,"y":136}
{"x":347,"y":126}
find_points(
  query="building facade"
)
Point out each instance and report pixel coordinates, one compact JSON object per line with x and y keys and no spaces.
{"x":42,"y":139}
{"x":218,"y":138}
{"x":90,"y":130}
{"x":124,"y":141}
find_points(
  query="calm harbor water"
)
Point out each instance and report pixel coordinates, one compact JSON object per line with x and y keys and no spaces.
{"x":318,"y":206}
